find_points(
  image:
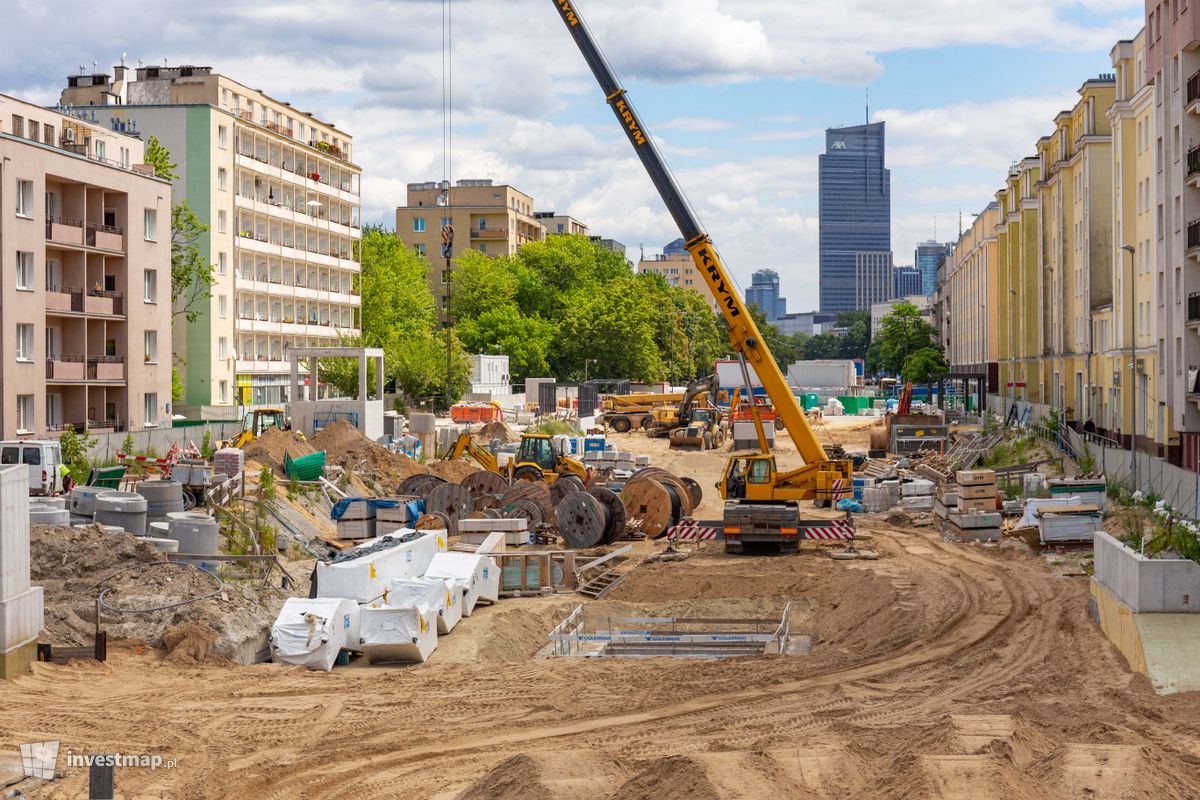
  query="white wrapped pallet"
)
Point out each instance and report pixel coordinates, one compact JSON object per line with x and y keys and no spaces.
{"x":441,"y":594}
{"x":478,"y":576}
{"x":309,"y":632}
{"x":1033,"y":483}
{"x":917,"y":488}
{"x":398,"y":634}
{"x":922,"y":502}
{"x":364,"y":572}
{"x":876,"y":499}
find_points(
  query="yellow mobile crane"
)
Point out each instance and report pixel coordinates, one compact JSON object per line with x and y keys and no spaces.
{"x":762,"y":502}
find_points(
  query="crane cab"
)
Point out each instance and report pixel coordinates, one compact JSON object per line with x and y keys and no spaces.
{"x":749,"y":477}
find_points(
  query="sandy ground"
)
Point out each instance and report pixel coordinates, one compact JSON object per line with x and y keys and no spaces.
{"x":938,"y":671}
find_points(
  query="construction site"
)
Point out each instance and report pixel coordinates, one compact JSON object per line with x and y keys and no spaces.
{"x":772,"y":581}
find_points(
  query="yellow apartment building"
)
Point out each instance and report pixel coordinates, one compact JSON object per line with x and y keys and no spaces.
{"x":493,"y":219}
{"x":678,"y":269}
{"x":969,"y":310}
{"x":1018,"y":286}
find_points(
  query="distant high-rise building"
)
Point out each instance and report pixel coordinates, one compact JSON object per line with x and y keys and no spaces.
{"x":675,"y":248}
{"x":928,"y":258}
{"x":874,"y":279}
{"x":764,"y":293}
{"x":908,"y":282}
{"x":856,"y":208}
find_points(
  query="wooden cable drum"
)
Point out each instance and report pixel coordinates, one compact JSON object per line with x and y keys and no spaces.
{"x":666,"y":478}
{"x":582,"y":520}
{"x":529,"y":510}
{"x":484,"y":482}
{"x":482,"y":502}
{"x":520,"y":490}
{"x":434,"y":521}
{"x":647,"y":500}
{"x":616,"y":512}
{"x":420,"y":485}
{"x":564,"y":486}
{"x":694,"y":491}
{"x":540,"y":494}
{"x":452,"y":500}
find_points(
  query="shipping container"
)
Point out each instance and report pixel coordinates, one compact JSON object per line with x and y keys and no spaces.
{"x":834,"y":374}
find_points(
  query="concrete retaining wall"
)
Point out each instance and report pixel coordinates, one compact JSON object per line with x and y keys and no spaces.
{"x":1144,"y":584}
{"x":1119,"y":624}
{"x":21,"y":610}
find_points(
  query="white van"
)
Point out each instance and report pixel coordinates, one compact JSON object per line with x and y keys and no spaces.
{"x":42,"y":457}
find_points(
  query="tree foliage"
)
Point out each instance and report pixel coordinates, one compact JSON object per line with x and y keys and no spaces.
{"x":922,"y":363}
{"x":902,"y":334}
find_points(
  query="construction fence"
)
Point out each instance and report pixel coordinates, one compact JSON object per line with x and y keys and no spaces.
{"x":161,"y":439}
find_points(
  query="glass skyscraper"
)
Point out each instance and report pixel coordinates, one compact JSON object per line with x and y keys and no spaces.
{"x":929,"y":257}
{"x":856,"y":208}
{"x":764,"y":293}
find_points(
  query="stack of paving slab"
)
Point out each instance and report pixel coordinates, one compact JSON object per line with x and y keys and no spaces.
{"x":390,"y":520}
{"x":357,"y":521}
{"x":946,"y":500}
{"x":1091,"y":490}
{"x":975,"y":518}
{"x":475,"y":531}
{"x":917,"y":495}
{"x":1062,"y":519}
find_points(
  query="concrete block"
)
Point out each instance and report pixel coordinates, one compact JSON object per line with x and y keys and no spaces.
{"x":491,"y":525}
{"x":642,"y":461}
{"x":44,"y":515}
{"x":976,"y":519}
{"x":53,"y":502}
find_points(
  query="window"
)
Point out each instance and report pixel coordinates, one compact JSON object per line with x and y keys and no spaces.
{"x":24,"y":418}
{"x":34,"y":131}
{"x":222,"y":348}
{"x":222,"y":306}
{"x":150,"y":408}
{"x":150,"y":222}
{"x":223,"y":391}
{"x":99,"y":150}
{"x":483,"y":247}
{"x":445,"y":277}
{"x":150,"y":285}
{"x":25,"y":198}
{"x":24,"y":342}
{"x":25,"y":271}
{"x":48,"y":134}
{"x":418,"y":224}
{"x":420,"y":248}
{"x":221,"y":223}
{"x":150,"y":339}
{"x":18,"y":126}
{"x":221,"y":263}
{"x":222,"y":178}
{"x":223,"y":137}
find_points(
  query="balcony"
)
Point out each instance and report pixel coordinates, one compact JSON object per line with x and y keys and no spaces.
{"x":1193,"y":239}
{"x":1193,"y":310}
{"x":1193,"y":93}
{"x":489,"y":233}
{"x":1193,"y":166}
{"x":106,"y":368}
{"x":63,"y":298}
{"x":100,"y":301}
{"x":64,"y":230}
{"x":65,"y":368}
{"x":105,"y":237}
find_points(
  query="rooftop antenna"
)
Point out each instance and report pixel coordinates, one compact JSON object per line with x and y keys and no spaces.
{"x":960,"y":223}
{"x":935,"y":227}
{"x":123,"y":58}
{"x":94,"y":66}
{"x":82,"y":69}
{"x":867,"y":94}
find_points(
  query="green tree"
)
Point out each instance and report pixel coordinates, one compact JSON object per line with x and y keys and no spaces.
{"x":856,"y":336}
{"x":176,"y":386}
{"x":479,"y":284}
{"x":75,"y":447}
{"x":616,"y":327}
{"x":191,"y":273}
{"x":824,"y":345}
{"x":922,"y":363}
{"x":525,"y":340}
{"x":159,"y":157}
{"x":901,"y":333}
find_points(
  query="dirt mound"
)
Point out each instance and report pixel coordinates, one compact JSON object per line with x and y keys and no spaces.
{"x":75,"y":565}
{"x":378,"y":467}
{"x":493,"y":431}
{"x":672,"y":778}
{"x":554,"y":775}
{"x":453,"y":471}
{"x":503,"y":632}
{"x":269,"y":449}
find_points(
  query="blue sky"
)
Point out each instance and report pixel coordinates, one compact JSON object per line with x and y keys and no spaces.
{"x":737,"y":93}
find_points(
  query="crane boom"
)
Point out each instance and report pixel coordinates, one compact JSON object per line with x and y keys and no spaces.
{"x":743,"y":332}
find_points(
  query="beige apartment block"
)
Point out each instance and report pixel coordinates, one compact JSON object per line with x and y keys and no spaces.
{"x":970,"y":311}
{"x":85,"y":255}
{"x":560,"y":223}
{"x":492,"y":219}
{"x":678,"y":269}
{"x":280,"y":193}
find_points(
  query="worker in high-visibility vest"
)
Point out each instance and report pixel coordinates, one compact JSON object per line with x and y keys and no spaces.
{"x":64,"y":478}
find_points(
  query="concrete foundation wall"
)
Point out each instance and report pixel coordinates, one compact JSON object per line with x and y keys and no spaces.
{"x":1119,"y":624}
{"x":21,"y":610}
{"x":1144,"y":584}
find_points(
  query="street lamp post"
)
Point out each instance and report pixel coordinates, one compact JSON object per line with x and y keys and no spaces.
{"x":587,"y":361}
{"x":1128,"y":248}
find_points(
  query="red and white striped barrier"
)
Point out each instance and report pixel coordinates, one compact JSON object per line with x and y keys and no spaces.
{"x":841,"y":489}
{"x":835,"y":529}
{"x":690,"y":530}
{"x":158,"y":462}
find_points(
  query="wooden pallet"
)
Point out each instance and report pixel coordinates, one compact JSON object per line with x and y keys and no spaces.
{"x":602,"y":584}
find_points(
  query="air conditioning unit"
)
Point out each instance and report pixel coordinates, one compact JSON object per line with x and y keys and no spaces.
{"x":69,"y":134}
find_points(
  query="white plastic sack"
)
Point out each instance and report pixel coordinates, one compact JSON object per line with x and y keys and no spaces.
{"x":478,"y":576}
{"x":364,"y":579}
{"x":309,"y":632}
{"x":398,"y":634}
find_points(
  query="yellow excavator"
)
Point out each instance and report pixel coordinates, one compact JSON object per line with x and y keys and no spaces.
{"x":761,"y":501}
{"x":536,"y":459}
{"x":255,"y":424}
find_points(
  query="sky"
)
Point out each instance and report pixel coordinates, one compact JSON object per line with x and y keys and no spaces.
{"x":737,"y":93}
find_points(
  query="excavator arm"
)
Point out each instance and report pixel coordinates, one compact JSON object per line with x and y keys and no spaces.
{"x":465,"y":446}
{"x":743,"y":333}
